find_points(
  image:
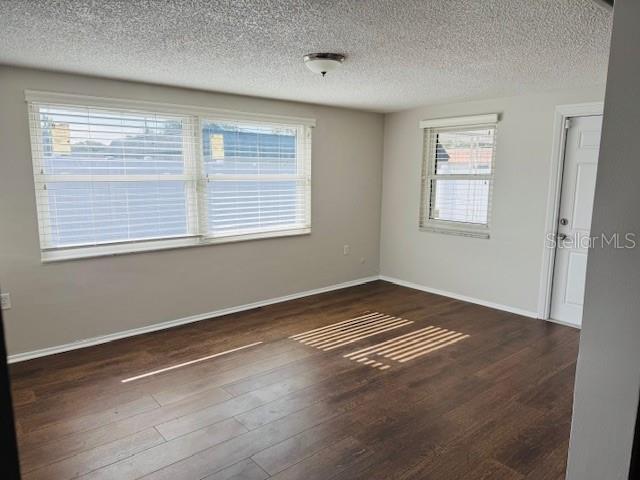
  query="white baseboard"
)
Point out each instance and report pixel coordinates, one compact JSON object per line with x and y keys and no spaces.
{"x":565,"y":324}
{"x":87,"y":342}
{"x":457,"y":296}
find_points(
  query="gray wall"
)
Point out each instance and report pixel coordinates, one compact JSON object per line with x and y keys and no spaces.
{"x":504,"y":269}
{"x":63,"y":302}
{"x":608,"y":374}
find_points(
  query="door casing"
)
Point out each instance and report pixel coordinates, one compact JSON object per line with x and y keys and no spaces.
{"x":562,"y":113}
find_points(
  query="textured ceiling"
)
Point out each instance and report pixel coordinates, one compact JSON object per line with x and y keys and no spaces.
{"x":400,"y":54}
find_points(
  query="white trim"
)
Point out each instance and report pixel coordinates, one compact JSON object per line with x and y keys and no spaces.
{"x":457,"y":296}
{"x":87,"y":342}
{"x":562,"y":113}
{"x":112,"y":249}
{"x":214,"y":239}
{"x":460,"y":121}
{"x":469,"y":231}
{"x":564,"y":324}
{"x":125,"y":248}
{"x":131,"y":104}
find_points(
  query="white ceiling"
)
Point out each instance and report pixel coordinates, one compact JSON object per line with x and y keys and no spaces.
{"x":400,"y":54}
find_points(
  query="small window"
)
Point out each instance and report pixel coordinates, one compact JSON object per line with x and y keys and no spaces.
{"x":457,"y":179}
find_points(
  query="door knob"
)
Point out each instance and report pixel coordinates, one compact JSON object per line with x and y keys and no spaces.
{"x":562,"y":236}
{"x":564,"y":221}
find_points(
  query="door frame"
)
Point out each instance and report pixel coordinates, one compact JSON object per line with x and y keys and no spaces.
{"x":561,"y":115}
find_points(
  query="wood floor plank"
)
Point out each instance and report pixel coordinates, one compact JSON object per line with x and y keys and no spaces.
{"x":326,"y":390}
{"x":399,"y":443}
{"x":493,"y":470}
{"x":157,"y":457}
{"x":283,"y":394}
{"x":176,"y":393}
{"x":327,"y":463}
{"x":72,"y":405}
{"x":90,"y":460}
{"x":49,"y":452}
{"x":216,"y":458}
{"x":481,"y":441}
{"x":551,"y":467}
{"x":551,"y":394}
{"x":52,"y":431}
{"x":244,"y":470}
{"x":533,"y":444}
{"x":317,"y":366}
{"x":207,"y":416}
{"x":23,"y":396}
{"x":295,"y":449}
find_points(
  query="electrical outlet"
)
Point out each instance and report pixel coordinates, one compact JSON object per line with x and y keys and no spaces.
{"x":346,"y":250}
{"x":5,"y":301}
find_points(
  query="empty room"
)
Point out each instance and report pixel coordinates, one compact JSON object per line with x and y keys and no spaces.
{"x":319,"y":240}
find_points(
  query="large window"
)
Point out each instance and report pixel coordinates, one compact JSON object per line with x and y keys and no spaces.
{"x":112,"y":180}
{"x":457,"y":178}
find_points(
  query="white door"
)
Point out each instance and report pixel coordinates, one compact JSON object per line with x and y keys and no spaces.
{"x":574,"y":218}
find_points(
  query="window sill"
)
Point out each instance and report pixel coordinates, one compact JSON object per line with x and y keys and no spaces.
{"x":61,"y":255}
{"x":460,"y":232}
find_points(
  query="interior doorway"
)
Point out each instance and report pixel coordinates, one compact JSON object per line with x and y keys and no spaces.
{"x":568,"y":238}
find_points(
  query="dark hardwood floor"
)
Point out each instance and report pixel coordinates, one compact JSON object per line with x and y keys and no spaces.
{"x":446,"y":390}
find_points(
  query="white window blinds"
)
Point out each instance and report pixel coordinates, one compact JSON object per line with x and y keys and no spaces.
{"x":105,"y":176}
{"x":112,"y":180}
{"x":457,"y":179}
{"x":258,"y":177}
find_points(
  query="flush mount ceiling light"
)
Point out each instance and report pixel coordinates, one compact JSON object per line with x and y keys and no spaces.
{"x":323,"y":62}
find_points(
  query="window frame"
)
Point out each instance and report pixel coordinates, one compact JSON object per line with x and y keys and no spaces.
{"x":197,"y":231}
{"x":429,"y":176}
